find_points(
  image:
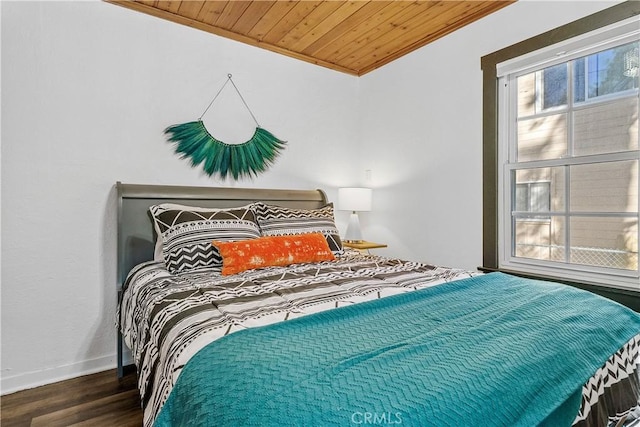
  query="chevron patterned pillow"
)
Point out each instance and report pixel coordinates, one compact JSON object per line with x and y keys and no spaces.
{"x":281,"y":221}
{"x":186,"y":233}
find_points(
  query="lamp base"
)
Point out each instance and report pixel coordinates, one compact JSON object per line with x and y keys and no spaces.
{"x":353,"y":234}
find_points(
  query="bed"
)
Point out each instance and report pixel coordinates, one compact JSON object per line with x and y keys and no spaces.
{"x":339,"y":337}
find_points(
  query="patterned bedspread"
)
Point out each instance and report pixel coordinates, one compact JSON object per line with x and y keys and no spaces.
{"x":166,"y":319}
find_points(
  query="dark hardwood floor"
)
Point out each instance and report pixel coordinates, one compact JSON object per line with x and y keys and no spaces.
{"x":93,"y":400}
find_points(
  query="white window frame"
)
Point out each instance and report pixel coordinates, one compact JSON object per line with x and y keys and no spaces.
{"x":507,"y":72}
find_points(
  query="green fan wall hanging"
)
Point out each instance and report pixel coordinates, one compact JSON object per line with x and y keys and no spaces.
{"x":193,"y":141}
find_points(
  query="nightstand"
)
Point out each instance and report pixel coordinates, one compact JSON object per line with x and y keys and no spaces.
{"x":363,"y":245}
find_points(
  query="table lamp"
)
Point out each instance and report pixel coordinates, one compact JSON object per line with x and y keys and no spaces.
{"x":354,"y":199}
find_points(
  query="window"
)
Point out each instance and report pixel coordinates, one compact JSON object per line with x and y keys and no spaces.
{"x":568,"y":159}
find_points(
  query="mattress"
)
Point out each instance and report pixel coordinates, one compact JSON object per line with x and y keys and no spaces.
{"x":166,"y":319}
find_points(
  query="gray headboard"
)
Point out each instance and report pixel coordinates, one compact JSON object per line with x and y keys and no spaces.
{"x":136,"y":239}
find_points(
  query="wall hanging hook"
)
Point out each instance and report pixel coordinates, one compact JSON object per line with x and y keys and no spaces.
{"x":229,"y":79}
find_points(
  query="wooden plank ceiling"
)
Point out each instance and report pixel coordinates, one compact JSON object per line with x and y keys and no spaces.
{"x":349,"y":36}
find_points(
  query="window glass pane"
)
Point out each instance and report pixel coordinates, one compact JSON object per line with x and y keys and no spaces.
{"x":607,"y":72}
{"x":631,"y":67}
{"x":526,"y":95}
{"x":542,"y":189}
{"x":540,"y":239}
{"x":579,"y":81}
{"x":606,"y":128}
{"x":554,"y":86}
{"x":541,"y":90}
{"x":533,"y":197}
{"x":542,"y":138}
{"x":605,"y":242}
{"x":539,"y":196}
{"x":522,"y":197}
{"x":605,"y":187}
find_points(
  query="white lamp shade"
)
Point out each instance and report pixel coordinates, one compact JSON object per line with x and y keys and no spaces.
{"x":354,"y":199}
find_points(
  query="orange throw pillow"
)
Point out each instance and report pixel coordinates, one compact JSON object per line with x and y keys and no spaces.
{"x":273,"y":251}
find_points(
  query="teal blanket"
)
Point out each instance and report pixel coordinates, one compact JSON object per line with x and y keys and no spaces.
{"x":492,"y":350}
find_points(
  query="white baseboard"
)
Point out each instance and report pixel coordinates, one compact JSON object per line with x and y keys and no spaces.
{"x":28,"y":380}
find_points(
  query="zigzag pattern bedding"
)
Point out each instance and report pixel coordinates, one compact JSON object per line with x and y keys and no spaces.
{"x":167,"y":318}
{"x":493,"y":350}
{"x":613,"y":389}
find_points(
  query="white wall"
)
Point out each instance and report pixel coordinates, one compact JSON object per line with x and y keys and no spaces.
{"x":422,"y":135}
{"x":87,"y":89}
